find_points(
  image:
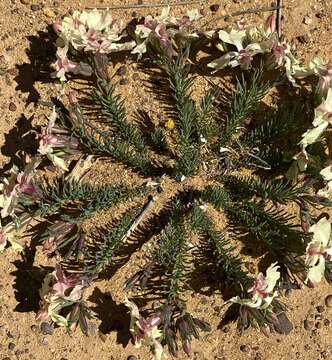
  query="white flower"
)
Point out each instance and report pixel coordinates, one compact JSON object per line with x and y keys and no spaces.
{"x":324,"y":71}
{"x":19,"y":184}
{"x":318,"y":250}
{"x":94,"y":31}
{"x":234,"y":37}
{"x":323,"y":113}
{"x":7,"y":236}
{"x":242,"y":57}
{"x":326,"y":173}
{"x":323,"y":118}
{"x":145,"y":331}
{"x":59,"y":291}
{"x":262,"y":290}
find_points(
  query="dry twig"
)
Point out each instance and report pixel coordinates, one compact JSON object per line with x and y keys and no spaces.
{"x":279,"y":17}
{"x":243,"y":12}
{"x":142,"y":6}
{"x":139,"y":218}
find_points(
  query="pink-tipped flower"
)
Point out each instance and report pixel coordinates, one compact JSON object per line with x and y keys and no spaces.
{"x":72,"y":97}
{"x":325,"y":77}
{"x":25,"y":185}
{"x":161,"y":35}
{"x":241,"y":24}
{"x":263,"y":290}
{"x":63,"y":282}
{"x":270,"y":24}
{"x":259,"y":286}
{"x":56,"y":143}
{"x":145,"y":331}
{"x":56,"y":234}
{"x":185,"y":22}
{"x":245,"y":59}
{"x":57,"y":27}
{"x":279,"y":52}
{"x":60,"y":291}
{"x":19,"y":185}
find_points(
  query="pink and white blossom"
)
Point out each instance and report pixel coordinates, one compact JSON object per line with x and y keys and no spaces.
{"x":145,"y":331}
{"x":263,"y":290}
{"x":20,"y":184}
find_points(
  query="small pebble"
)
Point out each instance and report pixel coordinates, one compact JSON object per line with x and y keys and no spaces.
{"x":307,"y":20}
{"x":19,"y":352}
{"x":12,"y":106}
{"x":320,"y":308}
{"x":303,"y":39}
{"x":308,"y":325}
{"x":10,"y":335}
{"x":48,"y":12}
{"x":214,"y":7}
{"x":324,"y":354}
{"x":258,"y":356}
{"x":328,"y":301}
{"x":318,"y":325}
{"x":46,"y":328}
{"x":35,"y":7}
{"x":124,"y":81}
{"x":245,"y":348}
{"x":122,"y":70}
{"x":318,"y":317}
{"x":132,"y":357}
{"x":34,"y":328}
{"x":11,"y":346}
{"x":327,"y":322}
{"x":226,"y":329}
{"x":320,"y":15}
{"x":314,"y":332}
{"x":25,"y":2}
{"x":204,"y":301}
{"x":44,"y":341}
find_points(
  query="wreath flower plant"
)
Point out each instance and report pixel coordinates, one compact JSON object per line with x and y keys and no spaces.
{"x":221,"y":161}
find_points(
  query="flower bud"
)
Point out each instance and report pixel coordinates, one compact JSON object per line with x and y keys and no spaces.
{"x":57,"y":27}
{"x":270,"y":24}
{"x":187,"y":347}
{"x":155,"y":320}
{"x":203,"y":325}
{"x":72,"y":97}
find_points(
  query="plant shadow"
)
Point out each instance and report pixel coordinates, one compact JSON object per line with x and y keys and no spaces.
{"x":114,"y":317}
{"x":41,"y":54}
{"x":20,"y":140}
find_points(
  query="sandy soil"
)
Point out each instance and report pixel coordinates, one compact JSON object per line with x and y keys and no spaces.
{"x":24,"y":81}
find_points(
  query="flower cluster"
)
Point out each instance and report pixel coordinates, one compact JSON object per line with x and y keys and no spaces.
{"x":59,"y":293}
{"x":263,"y":290}
{"x":318,"y":251}
{"x":19,"y":188}
{"x":95,"y":32}
{"x":164,"y":31}
{"x":322,"y":119}
{"x":145,"y":331}
{"x":56,"y":143}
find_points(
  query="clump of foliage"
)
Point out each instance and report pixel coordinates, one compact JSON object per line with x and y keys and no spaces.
{"x":223,"y":159}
